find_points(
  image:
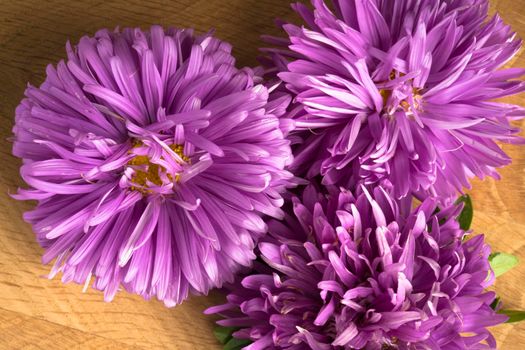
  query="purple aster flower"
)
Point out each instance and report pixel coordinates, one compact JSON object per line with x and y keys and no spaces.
{"x":366,"y":272}
{"x":400,"y":92}
{"x":152,"y":159}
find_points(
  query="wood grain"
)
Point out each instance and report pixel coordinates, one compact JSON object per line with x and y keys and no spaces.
{"x":39,"y":313}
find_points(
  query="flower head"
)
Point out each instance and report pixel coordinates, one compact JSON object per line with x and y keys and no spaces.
{"x":152,"y":158}
{"x":400,"y":92}
{"x":366,"y":272}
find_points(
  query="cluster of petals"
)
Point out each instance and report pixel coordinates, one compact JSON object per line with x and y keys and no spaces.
{"x":152,"y":158}
{"x":365,"y":271}
{"x":399,"y":93}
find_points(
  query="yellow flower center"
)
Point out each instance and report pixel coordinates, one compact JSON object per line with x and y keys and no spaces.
{"x":386,"y":93}
{"x":393,"y":342}
{"x":146,"y":171}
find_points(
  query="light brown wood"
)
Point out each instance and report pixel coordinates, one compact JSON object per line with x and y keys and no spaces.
{"x":39,"y":313}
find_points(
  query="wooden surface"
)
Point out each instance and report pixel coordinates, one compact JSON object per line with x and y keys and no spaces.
{"x":39,"y":313}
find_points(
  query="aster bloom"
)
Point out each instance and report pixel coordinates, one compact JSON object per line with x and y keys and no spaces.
{"x":399,"y":92}
{"x":152,"y":159}
{"x":366,"y":272}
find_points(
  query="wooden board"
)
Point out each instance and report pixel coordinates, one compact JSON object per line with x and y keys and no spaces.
{"x":39,"y":313}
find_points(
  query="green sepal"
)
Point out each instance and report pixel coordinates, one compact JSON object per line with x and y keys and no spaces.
{"x":224,"y":334}
{"x":496,"y":303}
{"x":237,"y":344}
{"x":466,"y":215}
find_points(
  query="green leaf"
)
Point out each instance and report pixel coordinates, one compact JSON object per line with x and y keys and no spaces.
{"x":514,"y":315}
{"x":502,"y":262}
{"x":237,"y":344}
{"x":465,"y":218}
{"x":224,"y":334}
